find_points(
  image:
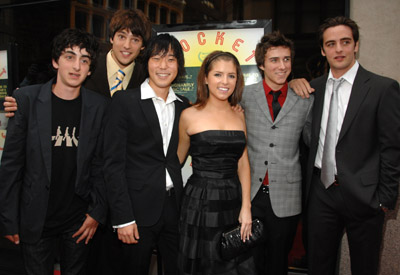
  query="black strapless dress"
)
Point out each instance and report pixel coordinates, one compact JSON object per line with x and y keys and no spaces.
{"x":211,"y":204}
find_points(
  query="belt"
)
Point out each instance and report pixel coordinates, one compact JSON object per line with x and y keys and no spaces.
{"x":170,"y":192}
{"x":317,"y":172}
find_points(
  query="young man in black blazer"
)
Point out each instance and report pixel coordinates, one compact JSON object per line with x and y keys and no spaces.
{"x":142,"y":170}
{"x":52,"y":187}
{"x":364,"y":160}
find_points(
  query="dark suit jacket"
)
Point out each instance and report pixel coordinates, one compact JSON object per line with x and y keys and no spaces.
{"x":368,"y":147}
{"x":25,"y":169}
{"x":98,"y":80}
{"x":134,"y":159}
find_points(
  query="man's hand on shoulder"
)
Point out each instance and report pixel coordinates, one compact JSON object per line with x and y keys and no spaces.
{"x":128,"y":234}
{"x":10,"y":106}
{"x":238,"y":108}
{"x":13,"y":238}
{"x":301,"y":87}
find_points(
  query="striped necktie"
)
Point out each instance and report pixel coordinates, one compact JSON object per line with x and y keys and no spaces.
{"x":117,"y":85}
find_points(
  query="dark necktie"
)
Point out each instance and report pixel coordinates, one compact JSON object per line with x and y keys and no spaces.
{"x":276,"y":107}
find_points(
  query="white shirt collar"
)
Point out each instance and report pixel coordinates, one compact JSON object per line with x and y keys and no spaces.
{"x":147,"y":92}
{"x":350,"y":75}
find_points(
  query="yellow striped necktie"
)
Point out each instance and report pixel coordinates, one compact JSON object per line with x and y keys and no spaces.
{"x":117,"y":85}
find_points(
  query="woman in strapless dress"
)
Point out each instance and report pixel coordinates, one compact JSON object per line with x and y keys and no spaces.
{"x":217,"y":195}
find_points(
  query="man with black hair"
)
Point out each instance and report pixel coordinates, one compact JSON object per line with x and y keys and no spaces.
{"x":52,"y":187}
{"x":354,"y":162}
{"x":142,"y":170}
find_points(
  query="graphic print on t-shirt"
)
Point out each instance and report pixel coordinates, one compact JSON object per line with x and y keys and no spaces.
{"x":68,"y":139}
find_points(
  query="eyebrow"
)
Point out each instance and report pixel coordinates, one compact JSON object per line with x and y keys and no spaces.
{"x":341,"y":39}
{"x":273,"y":57}
{"x":71,"y":52}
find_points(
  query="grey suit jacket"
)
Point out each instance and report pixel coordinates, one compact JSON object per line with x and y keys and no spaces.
{"x":25,"y":170}
{"x":274,"y":145}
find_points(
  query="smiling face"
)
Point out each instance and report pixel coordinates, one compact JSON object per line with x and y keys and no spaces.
{"x":221,"y":79}
{"x":163,"y":69}
{"x":125,"y":47}
{"x":339,"y":49}
{"x":277,"y":66}
{"x":73,"y":66}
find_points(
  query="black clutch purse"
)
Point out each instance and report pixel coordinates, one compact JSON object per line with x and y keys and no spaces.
{"x":232,"y":245}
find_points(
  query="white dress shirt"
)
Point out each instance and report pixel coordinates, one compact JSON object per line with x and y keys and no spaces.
{"x":344,"y":93}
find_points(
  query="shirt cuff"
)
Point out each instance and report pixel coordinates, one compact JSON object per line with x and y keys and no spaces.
{"x":123,"y":225}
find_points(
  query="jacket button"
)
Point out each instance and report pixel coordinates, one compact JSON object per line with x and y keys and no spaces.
{"x":273,"y":127}
{"x":266,"y":162}
{"x":271,"y":145}
{"x":260,"y":179}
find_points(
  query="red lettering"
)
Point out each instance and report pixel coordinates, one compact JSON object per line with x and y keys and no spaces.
{"x":185,"y":45}
{"x":201,"y":41}
{"x":236,"y":44}
{"x":220,"y":38}
{"x":251,"y":56}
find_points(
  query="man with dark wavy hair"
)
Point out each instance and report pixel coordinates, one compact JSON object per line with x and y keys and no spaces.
{"x":52,"y":187}
{"x":354,"y":162}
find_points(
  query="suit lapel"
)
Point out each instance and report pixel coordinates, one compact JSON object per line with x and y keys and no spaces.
{"x":43,"y":112}
{"x":86,"y":123}
{"x":150,"y":114}
{"x":290,"y":101}
{"x":261,"y":100}
{"x":319,"y":97}
{"x":175,"y":130}
{"x":359,"y":91}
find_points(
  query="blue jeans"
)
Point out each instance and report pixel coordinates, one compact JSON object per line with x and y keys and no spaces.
{"x":39,"y":257}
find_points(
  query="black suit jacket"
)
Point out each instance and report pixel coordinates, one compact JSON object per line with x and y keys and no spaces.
{"x":98,"y":80}
{"x":134,"y":159}
{"x":368,"y":147}
{"x":25,"y":170}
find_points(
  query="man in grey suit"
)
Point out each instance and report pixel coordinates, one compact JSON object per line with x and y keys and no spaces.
{"x":275,"y":117}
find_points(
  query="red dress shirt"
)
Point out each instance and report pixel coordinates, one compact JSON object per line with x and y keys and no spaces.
{"x":281,"y":100}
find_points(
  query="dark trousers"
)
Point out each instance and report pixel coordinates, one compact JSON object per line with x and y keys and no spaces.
{"x":105,"y":251}
{"x":39,"y":257}
{"x":271,"y":257}
{"x":163,"y":235}
{"x":328,"y":217}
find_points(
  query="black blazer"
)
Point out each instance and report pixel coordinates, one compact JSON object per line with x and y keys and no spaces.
{"x":368,"y":148}
{"x":98,"y":80}
{"x":25,"y":170}
{"x":134,"y":159}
